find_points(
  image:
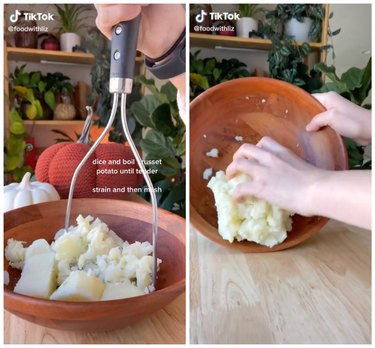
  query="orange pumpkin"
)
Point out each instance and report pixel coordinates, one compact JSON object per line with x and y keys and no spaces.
{"x":57,"y":164}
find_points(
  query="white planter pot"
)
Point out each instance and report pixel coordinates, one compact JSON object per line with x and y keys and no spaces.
{"x":300,"y":30}
{"x":245,"y":25}
{"x":68,"y":41}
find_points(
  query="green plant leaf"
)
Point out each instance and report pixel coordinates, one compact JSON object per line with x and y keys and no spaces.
{"x":352,"y":78}
{"x":14,"y":116}
{"x":25,"y":79}
{"x":15,"y":145}
{"x":216,"y":73}
{"x":17,"y":128}
{"x":170,"y":91}
{"x":143,"y":109}
{"x":199,"y":80}
{"x":12,"y":162}
{"x":162,"y":120}
{"x":42,"y":86}
{"x":39,"y":108}
{"x":150,"y":85}
{"x":49,"y":98}
{"x":365,"y":87}
{"x":330,"y":71}
{"x":177,"y":194}
{"x":156,"y":144}
{"x":35,"y":78}
{"x":30,"y":95}
{"x":31,"y":111}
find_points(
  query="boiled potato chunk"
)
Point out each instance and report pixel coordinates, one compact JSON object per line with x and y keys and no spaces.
{"x":38,"y":276}
{"x":39,"y":246}
{"x":79,"y":286}
{"x":69,"y":247}
{"x":114,"y":291}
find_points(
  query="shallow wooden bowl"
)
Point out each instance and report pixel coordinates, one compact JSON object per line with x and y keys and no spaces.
{"x":252,"y":108}
{"x":132,"y":222}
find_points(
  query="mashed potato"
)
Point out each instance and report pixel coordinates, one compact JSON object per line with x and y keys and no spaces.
{"x":253,"y":219}
{"x":90,"y":249}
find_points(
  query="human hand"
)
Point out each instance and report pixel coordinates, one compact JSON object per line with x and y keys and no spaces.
{"x":161,"y":25}
{"x":346,"y":118}
{"x":278,"y":175}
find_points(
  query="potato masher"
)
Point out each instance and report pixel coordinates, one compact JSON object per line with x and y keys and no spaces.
{"x":123,"y":54}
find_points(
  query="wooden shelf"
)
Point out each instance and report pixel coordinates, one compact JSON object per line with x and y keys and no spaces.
{"x":47,"y":56}
{"x":53,"y":122}
{"x":215,"y":41}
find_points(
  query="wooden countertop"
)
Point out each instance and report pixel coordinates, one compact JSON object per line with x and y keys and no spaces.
{"x":164,"y":326}
{"x":317,"y":292}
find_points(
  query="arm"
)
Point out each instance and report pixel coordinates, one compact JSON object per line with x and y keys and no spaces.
{"x":283,"y":179}
{"x":344,"y":196}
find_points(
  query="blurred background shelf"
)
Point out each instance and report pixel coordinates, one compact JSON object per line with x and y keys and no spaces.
{"x":46,"y":56}
{"x":215,"y":41}
{"x":53,"y":122}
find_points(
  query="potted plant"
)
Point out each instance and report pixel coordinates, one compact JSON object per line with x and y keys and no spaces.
{"x":247,"y":22}
{"x":208,"y":72}
{"x":70,"y":16}
{"x":35,"y":94}
{"x":301,"y":21}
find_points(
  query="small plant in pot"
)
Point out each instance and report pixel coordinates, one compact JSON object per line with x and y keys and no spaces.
{"x":301,"y":21}
{"x":247,"y":22}
{"x":71,"y":21}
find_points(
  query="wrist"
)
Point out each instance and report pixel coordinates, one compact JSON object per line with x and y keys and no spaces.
{"x":158,"y":40}
{"x":316,"y":187}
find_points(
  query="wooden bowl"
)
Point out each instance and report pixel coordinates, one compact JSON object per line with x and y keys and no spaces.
{"x":252,"y":108}
{"x":132,"y":222}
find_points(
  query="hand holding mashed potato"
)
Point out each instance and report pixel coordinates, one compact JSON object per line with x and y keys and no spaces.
{"x":283,"y":179}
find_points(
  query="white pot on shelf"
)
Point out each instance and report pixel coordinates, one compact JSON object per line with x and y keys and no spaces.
{"x":245,"y":25}
{"x":68,"y":41}
{"x":300,"y":30}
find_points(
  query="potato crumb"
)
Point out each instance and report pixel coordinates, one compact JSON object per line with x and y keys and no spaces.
{"x":238,"y":138}
{"x":213,"y":153}
{"x":204,"y":136}
{"x":207,"y":173}
{"x":6,"y":278}
{"x":263,"y":101}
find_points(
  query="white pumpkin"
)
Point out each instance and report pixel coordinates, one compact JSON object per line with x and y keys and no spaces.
{"x":18,"y":195}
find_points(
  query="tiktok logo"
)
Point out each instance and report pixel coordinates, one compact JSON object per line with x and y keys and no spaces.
{"x":200,"y":17}
{"x":14,"y":17}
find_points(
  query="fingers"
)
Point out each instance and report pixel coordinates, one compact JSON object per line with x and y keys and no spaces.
{"x":252,"y":151}
{"x":271,"y":145}
{"x":242,"y":165}
{"x":110,"y":15}
{"x":319,"y":121}
{"x":243,"y":190}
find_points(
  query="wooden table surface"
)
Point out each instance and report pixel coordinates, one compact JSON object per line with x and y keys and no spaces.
{"x":164,"y":326}
{"x":317,"y":292}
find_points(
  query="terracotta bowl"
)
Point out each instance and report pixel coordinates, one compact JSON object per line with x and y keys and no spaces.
{"x":252,"y":108}
{"x":132,"y":222}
